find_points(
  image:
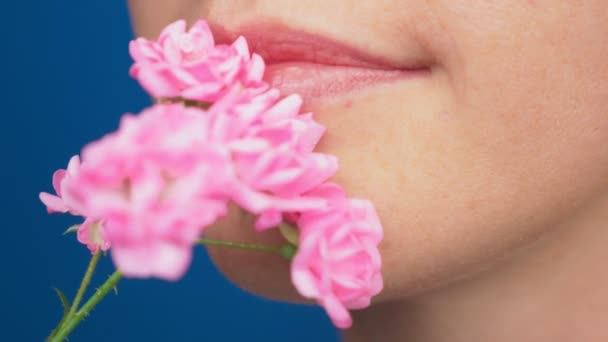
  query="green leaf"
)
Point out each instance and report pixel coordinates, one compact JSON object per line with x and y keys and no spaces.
{"x":65,"y":303}
{"x":72,"y":229}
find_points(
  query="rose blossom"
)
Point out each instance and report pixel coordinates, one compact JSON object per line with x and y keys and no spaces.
{"x":189,"y":65}
{"x":338,"y":262}
{"x":270,"y":142}
{"x":275,"y":163}
{"x":91,"y":232}
{"x":152,"y":187}
{"x":56,"y":203}
{"x":167,"y":173}
{"x":156,"y":183}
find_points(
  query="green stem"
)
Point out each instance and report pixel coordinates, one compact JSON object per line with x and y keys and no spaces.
{"x":86,"y":309}
{"x":83,"y":285}
{"x":287,"y":250}
{"x":75,"y":317}
{"x":250,"y":246}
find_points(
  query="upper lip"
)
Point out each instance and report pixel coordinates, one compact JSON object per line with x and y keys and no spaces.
{"x":277,"y":43}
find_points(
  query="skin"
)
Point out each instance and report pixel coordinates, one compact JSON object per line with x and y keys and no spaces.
{"x":490,"y":176}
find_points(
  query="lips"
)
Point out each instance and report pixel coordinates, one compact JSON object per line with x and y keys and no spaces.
{"x":318,"y":67}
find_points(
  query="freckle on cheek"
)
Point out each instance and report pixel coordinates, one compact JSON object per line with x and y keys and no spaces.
{"x":348,"y":104}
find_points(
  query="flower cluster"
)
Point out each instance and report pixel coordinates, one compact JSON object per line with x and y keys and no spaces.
{"x":150,"y":189}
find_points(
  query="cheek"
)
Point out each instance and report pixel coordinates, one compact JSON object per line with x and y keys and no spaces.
{"x":503,"y":144}
{"x":475,"y":165}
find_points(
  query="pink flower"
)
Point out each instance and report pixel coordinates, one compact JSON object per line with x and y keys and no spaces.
{"x":338,"y":262}
{"x":56,"y":203}
{"x":275,"y":163}
{"x":156,"y":183}
{"x":188,"y":64}
{"x":240,"y":109}
{"x":151,"y":188}
{"x":90,"y":232}
{"x":267,"y":137}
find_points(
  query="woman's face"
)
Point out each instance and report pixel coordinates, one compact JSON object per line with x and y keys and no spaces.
{"x":502,"y":141}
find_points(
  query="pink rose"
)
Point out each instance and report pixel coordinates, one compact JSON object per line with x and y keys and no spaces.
{"x":91,"y":232}
{"x":188,"y":64}
{"x":56,"y":203}
{"x":156,"y":184}
{"x":151,"y":188}
{"x":338,"y":262}
{"x":275,"y":163}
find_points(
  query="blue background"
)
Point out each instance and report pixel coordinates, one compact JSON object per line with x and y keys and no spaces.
{"x":64,"y":84}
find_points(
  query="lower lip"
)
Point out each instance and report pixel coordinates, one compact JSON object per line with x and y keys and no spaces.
{"x":317,"y":81}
